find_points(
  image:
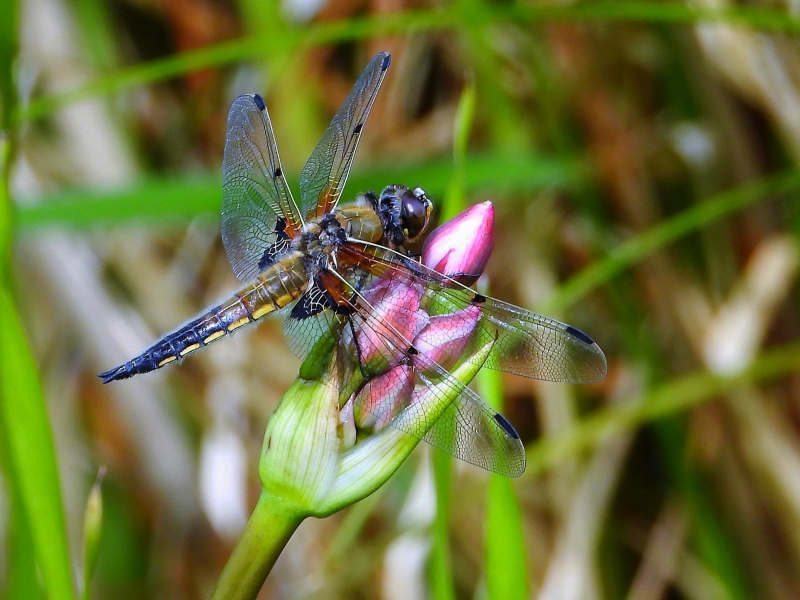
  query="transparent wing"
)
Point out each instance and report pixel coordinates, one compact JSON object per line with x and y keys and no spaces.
{"x":256,"y":201}
{"x":313,"y":317}
{"x":302,"y":334}
{"x":448,"y":415}
{"x":406,"y":388}
{"x":325,"y":173}
{"x":525,"y":343}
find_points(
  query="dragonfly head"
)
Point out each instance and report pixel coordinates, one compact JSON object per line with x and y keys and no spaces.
{"x":415,"y":212}
{"x":404,"y":213}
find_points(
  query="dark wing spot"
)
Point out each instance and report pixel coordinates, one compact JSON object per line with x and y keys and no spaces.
{"x":315,"y":300}
{"x":357,"y":129}
{"x":386,"y":60}
{"x":277,"y":173}
{"x":503,"y":422}
{"x":341,"y":309}
{"x":268,"y":258}
{"x":412,"y":351}
{"x":577,"y":333}
{"x":478,"y":299}
{"x":259,"y":102}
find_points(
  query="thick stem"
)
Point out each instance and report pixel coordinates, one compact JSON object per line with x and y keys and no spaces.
{"x":266,"y":534}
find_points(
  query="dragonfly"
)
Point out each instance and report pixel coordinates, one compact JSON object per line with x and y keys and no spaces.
{"x":319,"y":264}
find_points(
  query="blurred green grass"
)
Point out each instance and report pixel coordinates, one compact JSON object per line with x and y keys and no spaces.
{"x":176,"y":200}
{"x":457,"y":15}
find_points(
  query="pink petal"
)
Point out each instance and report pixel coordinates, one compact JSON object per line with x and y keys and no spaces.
{"x":383,"y":398}
{"x":445,"y":337}
{"x":396,"y":317}
{"x":460,"y":248}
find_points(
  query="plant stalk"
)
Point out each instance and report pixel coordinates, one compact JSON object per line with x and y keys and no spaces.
{"x":264,"y":538}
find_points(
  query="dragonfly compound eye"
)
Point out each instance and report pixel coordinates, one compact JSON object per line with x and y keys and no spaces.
{"x":415,"y":212}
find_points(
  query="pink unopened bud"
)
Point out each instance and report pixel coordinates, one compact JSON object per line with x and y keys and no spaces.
{"x":396,"y":318}
{"x":460,"y":248}
{"x":383,"y":398}
{"x":446,"y":336}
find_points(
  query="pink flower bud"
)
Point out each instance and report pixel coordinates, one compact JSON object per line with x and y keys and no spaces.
{"x":396,"y":318}
{"x":460,"y":248}
{"x":383,"y":398}
{"x":446,"y":336}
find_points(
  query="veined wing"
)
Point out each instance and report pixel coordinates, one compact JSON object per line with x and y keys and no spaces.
{"x":256,"y":201}
{"x":324,"y":175}
{"x":525,"y":343}
{"x":414,"y":393}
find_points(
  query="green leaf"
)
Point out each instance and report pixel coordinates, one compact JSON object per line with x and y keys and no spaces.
{"x":506,"y":558}
{"x":26,"y":427}
{"x":23,"y":579}
{"x":506,"y":568}
{"x":173,"y":201}
{"x":442,"y":587}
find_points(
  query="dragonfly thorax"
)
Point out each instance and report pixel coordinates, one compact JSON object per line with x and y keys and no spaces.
{"x":321,"y":239}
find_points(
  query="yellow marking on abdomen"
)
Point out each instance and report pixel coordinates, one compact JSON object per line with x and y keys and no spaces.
{"x":167,"y":360}
{"x":260,"y":312}
{"x":213,"y":336}
{"x":239,"y":323}
{"x":188,"y":349}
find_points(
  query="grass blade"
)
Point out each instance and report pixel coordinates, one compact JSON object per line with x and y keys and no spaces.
{"x":506,"y":558}
{"x":640,"y":247}
{"x":441,"y":563}
{"x":177,"y":200}
{"x":31,"y":457}
{"x":441,"y":567}
{"x":678,"y":395}
{"x":24,"y":425}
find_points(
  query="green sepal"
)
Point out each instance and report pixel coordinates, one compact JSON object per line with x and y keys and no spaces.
{"x":300,"y":453}
{"x":303,"y":463}
{"x":318,"y":361}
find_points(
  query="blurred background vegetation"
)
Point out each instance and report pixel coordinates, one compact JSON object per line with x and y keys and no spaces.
{"x":642,"y":158}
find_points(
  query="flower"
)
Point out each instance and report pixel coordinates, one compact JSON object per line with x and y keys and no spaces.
{"x":460,"y":248}
{"x":445,"y":337}
{"x":383,"y":397}
{"x":396,"y":315}
{"x":327,"y":444}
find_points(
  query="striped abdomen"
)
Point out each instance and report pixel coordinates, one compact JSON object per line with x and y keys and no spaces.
{"x":274,"y":288}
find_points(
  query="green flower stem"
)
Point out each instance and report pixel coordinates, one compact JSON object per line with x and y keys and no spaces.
{"x":267,"y":533}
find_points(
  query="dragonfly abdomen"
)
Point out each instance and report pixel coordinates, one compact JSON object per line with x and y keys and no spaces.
{"x":276,"y":287}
